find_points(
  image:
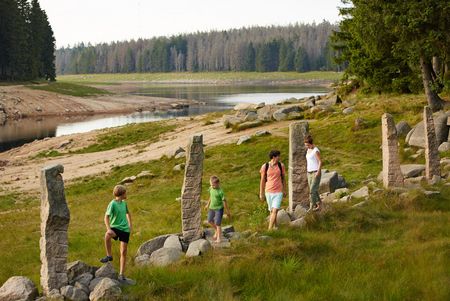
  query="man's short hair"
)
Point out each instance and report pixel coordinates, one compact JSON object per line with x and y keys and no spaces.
{"x":214,"y":179}
{"x":274,"y":153}
{"x":119,"y":190}
{"x":309,"y":139}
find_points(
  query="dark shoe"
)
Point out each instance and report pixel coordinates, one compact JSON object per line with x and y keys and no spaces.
{"x":126,"y":281}
{"x":106,"y":259}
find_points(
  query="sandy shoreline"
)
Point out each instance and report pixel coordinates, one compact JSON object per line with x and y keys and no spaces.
{"x":17,"y":102}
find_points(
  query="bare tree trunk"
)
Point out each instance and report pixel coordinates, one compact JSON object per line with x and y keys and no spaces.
{"x":434,"y":101}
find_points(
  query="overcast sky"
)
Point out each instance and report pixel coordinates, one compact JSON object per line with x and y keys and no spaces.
{"x":96,"y":21}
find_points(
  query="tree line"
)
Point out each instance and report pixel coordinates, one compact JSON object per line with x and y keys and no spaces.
{"x":299,"y":47}
{"x":27,"y":44}
{"x":396,"y":46}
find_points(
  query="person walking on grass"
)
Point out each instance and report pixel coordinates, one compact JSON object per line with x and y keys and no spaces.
{"x":215,"y":206}
{"x":273,"y":185}
{"x":118,"y":227}
{"x":313,"y":167}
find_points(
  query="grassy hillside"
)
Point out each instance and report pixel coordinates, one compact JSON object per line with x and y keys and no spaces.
{"x":395,"y":248}
{"x":200,"y":76}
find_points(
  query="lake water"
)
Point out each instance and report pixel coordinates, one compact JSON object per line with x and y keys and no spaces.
{"x":213,"y":98}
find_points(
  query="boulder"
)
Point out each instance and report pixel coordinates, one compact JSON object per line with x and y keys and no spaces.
{"x":173,"y":241}
{"x":444,"y":147}
{"x":142,"y":260}
{"x":128,"y":180}
{"x":416,"y":137}
{"x":298,"y":223}
{"x":260,"y":105}
{"x":84,"y":279}
{"x":228,"y":229}
{"x":262,"y":133}
{"x":72,"y":293}
{"x":345,"y":199}
{"x":249,"y":125}
{"x":96,"y":281}
{"x":243,"y":139}
{"x":198,"y":247}
{"x":265,"y":113}
{"x":299,"y":212}
{"x":106,"y":289}
{"x":179,"y":150}
{"x":230,"y":121}
{"x":244,"y":106}
{"x":251,"y":116}
{"x":233,"y":236}
{"x":341,"y":192}
{"x":402,"y":128}
{"x":290,"y":109}
{"x":84,"y":288}
{"x":145,"y":174}
{"x":279,"y":116}
{"x":106,"y":270}
{"x":329,"y":182}
{"x":412,"y":170}
{"x":77,"y":268}
{"x":165,"y":256}
{"x":152,"y":245}
{"x":180,"y":155}
{"x":363,"y":192}
{"x":18,"y":288}
{"x":178,"y":167}
{"x":54,"y":295}
{"x":283,"y":217}
{"x":348,"y":111}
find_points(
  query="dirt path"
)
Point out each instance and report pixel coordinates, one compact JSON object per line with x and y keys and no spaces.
{"x":22,"y":173}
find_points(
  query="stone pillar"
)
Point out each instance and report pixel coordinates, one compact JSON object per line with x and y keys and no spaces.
{"x":55,"y":217}
{"x":298,"y":180}
{"x":392,"y":174}
{"x":191,"y":209}
{"x":432,"y":161}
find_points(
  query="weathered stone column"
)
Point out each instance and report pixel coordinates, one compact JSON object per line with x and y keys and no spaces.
{"x":432,"y":160}
{"x":392,"y":174}
{"x":55,"y":217}
{"x":191,"y":211}
{"x":298,"y":180}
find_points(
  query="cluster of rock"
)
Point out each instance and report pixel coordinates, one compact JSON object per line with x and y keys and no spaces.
{"x":166,"y":249}
{"x":143,"y":174}
{"x":246,"y":138}
{"x":416,"y":136}
{"x":253,"y":115}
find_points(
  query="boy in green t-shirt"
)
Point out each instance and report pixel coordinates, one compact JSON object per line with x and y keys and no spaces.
{"x":216,"y":204}
{"x":118,"y":227}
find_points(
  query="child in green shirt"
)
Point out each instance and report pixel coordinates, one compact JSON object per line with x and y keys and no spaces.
{"x":216,"y":205}
{"x":118,"y":227}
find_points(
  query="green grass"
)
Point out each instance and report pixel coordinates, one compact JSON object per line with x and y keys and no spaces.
{"x":127,"y":135}
{"x":395,"y":248}
{"x":72,"y":89}
{"x":200,"y":76}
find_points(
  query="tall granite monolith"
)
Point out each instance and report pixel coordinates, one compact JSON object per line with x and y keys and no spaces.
{"x":392,"y":174}
{"x":298,"y":180}
{"x":432,"y":160}
{"x":55,"y":217}
{"x":191,"y":212}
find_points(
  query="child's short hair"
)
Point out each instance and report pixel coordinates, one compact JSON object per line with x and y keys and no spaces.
{"x":274,"y":153}
{"x":119,"y":190}
{"x":214,"y":179}
{"x":308,"y":139}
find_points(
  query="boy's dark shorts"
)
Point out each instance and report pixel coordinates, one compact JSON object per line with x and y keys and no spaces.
{"x":121,"y":235}
{"x":215,"y":216}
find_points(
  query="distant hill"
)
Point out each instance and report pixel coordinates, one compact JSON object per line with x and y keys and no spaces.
{"x":300,"y":47}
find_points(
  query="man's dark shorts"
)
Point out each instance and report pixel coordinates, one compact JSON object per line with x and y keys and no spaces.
{"x":215,"y":216}
{"x":121,"y":235}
